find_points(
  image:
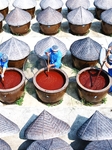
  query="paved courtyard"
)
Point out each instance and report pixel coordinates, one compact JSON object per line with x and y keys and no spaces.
{"x":71,"y":109}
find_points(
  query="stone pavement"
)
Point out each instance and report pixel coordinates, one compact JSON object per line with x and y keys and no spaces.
{"x":71,"y":109}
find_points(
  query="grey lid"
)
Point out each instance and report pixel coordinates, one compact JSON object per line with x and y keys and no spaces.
{"x":25,"y":4}
{"x":97,"y":127}
{"x":103,"y":4}
{"x":4,"y":145}
{"x":55,"y":4}
{"x":49,"y":16}
{"x":1,"y":17}
{"x":50,"y":144}
{"x":3,"y":4}
{"x":7,"y":127}
{"x":15,"y":49}
{"x":47,"y":43}
{"x":18,"y":17}
{"x":72,"y":4}
{"x":80,"y":16}
{"x":86,"y":49}
{"x":99,"y":145}
{"x":41,"y":129}
{"x":106,"y":16}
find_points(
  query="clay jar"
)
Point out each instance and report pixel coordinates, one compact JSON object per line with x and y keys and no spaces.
{"x":17,"y":63}
{"x":79,"y":29}
{"x":31,"y":11}
{"x":4,"y":11}
{"x":19,"y":30}
{"x":49,"y":21}
{"x":12,"y":89}
{"x":51,"y":29}
{"x":18,"y":21}
{"x":1,"y":21}
{"x":92,"y":88}
{"x":106,"y":24}
{"x":79,"y":20}
{"x":49,"y":91}
{"x":98,"y":12}
{"x":17,"y":50}
{"x":85,"y":53}
{"x":101,"y":6}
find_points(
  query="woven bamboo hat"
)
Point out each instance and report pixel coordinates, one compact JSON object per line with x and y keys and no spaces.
{"x":103,"y":4}
{"x":49,"y":16}
{"x":25,"y":4}
{"x":3,"y":4}
{"x":99,"y":145}
{"x":97,"y":127}
{"x":47,"y":43}
{"x":80,"y":16}
{"x":86,"y":49}
{"x":18,"y":17}
{"x":55,"y":4}
{"x":46,"y":126}
{"x":4,"y":145}
{"x":72,"y":4}
{"x":50,"y":144}
{"x":7,"y":127}
{"x":1,"y":17}
{"x":15,"y":49}
{"x":106,"y":16}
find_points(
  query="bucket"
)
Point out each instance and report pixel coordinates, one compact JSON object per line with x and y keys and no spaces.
{"x":53,"y":86}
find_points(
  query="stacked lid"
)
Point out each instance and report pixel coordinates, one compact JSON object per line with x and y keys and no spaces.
{"x":86,"y":49}
{"x":47,"y":43}
{"x":18,"y":17}
{"x":97,"y":145}
{"x":15,"y":49}
{"x":106,"y":16}
{"x":4,"y":145}
{"x":46,"y":126}
{"x":80,"y":16}
{"x":50,"y":144}
{"x":25,"y":4}
{"x":55,"y":4}
{"x":49,"y":16}
{"x":103,"y":4}
{"x":97,"y":127}
{"x":72,"y":4}
{"x":3,"y":4}
{"x":7,"y":127}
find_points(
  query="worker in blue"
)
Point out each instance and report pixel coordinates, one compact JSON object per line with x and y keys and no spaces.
{"x":3,"y":64}
{"x":55,"y":56}
{"x":108,"y":64}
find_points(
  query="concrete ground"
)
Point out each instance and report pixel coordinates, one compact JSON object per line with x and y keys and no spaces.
{"x":71,"y":109}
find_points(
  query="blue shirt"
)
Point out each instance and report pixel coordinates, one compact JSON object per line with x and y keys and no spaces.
{"x":55,"y":57}
{"x":110,"y":70}
{"x":3,"y":64}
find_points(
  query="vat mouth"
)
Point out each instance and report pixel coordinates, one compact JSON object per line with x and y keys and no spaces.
{"x":51,"y":91}
{"x":19,"y":85}
{"x":91,"y":90}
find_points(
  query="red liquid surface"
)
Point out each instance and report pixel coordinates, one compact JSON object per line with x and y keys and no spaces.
{"x":51,"y":80}
{"x":11,"y":79}
{"x":90,"y":80}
